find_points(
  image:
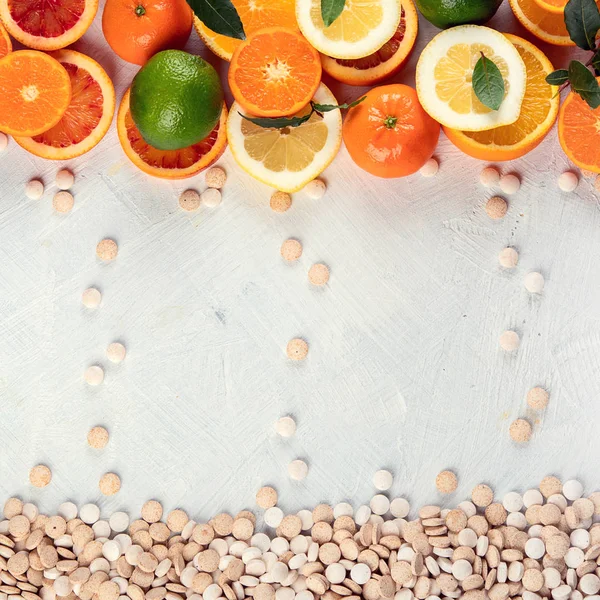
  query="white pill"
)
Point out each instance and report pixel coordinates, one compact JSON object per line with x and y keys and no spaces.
{"x":299,"y":544}
{"x":30,"y":511}
{"x":298,"y":470}
{"x":91,"y":298}
{"x":89,"y":513}
{"x":379,"y":504}
{"x":552,"y":577}
{"x":509,"y":341}
{"x":512,"y":502}
{"x":535,"y":548}
{"x":116,"y":352}
{"x":517,"y":519}
{"x":467,"y":537}
{"x":306,"y":518}
{"x":34,"y":189}
{"x":211,"y":197}
{"x":119,"y":521}
{"x":273,"y":516}
{"x":535,"y":530}
{"x":111,"y":550}
{"x":562,"y":592}
{"x":283,"y":593}
{"x":362,"y":515}
{"x":515,"y":571}
{"x":62,"y":586}
{"x":502,"y":572}
{"x":489,"y":177}
{"x":589,"y":584}
{"x":343,"y":509}
{"x":125,"y":542}
{"x":461,"y":569}
{"x":580,"y":538}
{"x":213,"y":591}
{"x":360,"y":573}
{"x":572,"y":490}
{"x":305,"y":595}
{"x":468,"y":508}
{"x":279,"y":571}
{"x":101,"y":529}
{"x":532,"y":497}
{"x":534,"y":282}
{"x":315,"y":189}
{"x":510,"y":183}
{"x":3,"y":141}
{"x":574,"y":557}
{"x":94,"y":375}
{"x":382,"y":480}
{"x":430,"y":168}
{"x":483,"y":543}
{"x":568,"y":181}
{"x":335,"y":573}
{"x":133,"y":553}
{"x":559,"y":500}
{"x":64,"y":179}
{"x":279,"y":546}
{"x":399,"y":507}
{"x":508,"y":258}
{"x":285,"y":427}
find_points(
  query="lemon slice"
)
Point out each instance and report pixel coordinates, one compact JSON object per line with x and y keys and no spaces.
{"x":445,"y":70}
{"x":363,"y":27}
{"x":286,"y":159}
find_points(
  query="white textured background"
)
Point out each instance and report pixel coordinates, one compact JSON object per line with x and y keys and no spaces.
{"x":404,"y":370}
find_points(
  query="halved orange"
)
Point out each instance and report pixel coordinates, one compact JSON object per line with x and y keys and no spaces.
{"x":47,"y":25}
{"x":275,"y":72}
{"x":169,"y":164}
{"x":35,"y":92}
{"x":546,"y":25}
{"x":5,"y":43}
{"x":555,"y":6}
{"x":382,"y":64}
{"x":255,"y":15}
{"x":579,"y":132}
{"x":88,"y":117}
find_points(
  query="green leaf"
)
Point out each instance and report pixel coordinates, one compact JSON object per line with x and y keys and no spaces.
{"x":582,"y":19}
{"x":488,"y":83}
{"x":220,"y":16}
{"x":277,"y":123}
{"x":331,"y":10}
{"x":558,"y":77}
{"x":584,"y":83}
{"x":322,"y":108}
{"x":596,"y":62}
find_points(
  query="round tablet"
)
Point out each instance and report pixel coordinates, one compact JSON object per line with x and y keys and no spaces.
{"x":94,"y":375}
{"x":510,"y":341}
{"x":382,"y":480}
{"x":68,"y":511}
{"x":537,"y":398}
{"x":510,"y":183}
{"x":189,"y":200}
{"x":534,"y":282}
{"x":535,"y":548}
{"x":40,"y":476}
{"x":34,"y":189}
{"x":430,"y":168}
{"x":318,"y":274}
{"x":64,"y":179}
{"x":379,"y":504}
{"x":496,"y":207}
{"x":119,"y":521}
{"x":91,"y":298}
{"x":97,"y":437}
{"x":508,"y":258}
{"x":520,"y":431}
{"x":285,"y":427}
{"x":446,"y":482}
{"x":315,"y":189}
{"x":360,"y":573}
{"x":116,"y":352}
{"x":215,"y":177}
{"x":107,"y":250}
{"x":512,"y":502}
{"x":211,"y":197}
{"x":297,"y":349}
{"x":109,"y":484}
{"x":273,"y":516}
{"x":489,"y":177}
{"x":280,"y":202}
{"x":568,"y":181}
{"x":572,"y":489}
{"x":89,"y":513}
{"x":399,"y":507}
{"x":291,"y":250}
{"x":63,"y":202}
{"x":298,"y":470}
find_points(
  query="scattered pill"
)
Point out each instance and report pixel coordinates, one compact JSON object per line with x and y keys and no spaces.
{"x":510,"y":341}
{"x":280,"y":202}
{"x":63,"y":202}
{"x":116,"y":352}
{"x":107,"y":250}
{"x":513,"y":502}
{"x":266,"y":497}
{"x":285,"y":427}
{"x":537,"y":398}
{"x":482,"y":495}
{"x":189,"y":200}
{"x":508,"y":258}
{"x":382,"y":480}
{"x":430,"y":168}
{"x":40,"y":476}
{"x":94,"y":375}
{"x":446,"y":482}
{"x":215,"y":178}
{"x":89,"y":513}
{"x":534,"y":282}
{"x":211,"y":197}
{"x":510,"y":183}
{"x":568,"y":181}
{"x":379,"y":504}
{"x":315,"y":189}
{"x":520,"y":431}
{"x":291,"y":250}
{"x":399,"y":507}
{"x":34,"y":189}
{"x":109,"y":484}
{"x":91,"y":298}
{"x":97,"y":437}
{"x":3,"y":141}
{"x":298,"y":470}
{"x":572,"y":490}
{"x":297,"y":349}
{"x":496,"y":207}
{"x":273,"y":516}
{"x":318,"y":274}
{"x":489,"y":177}
{"x":64,"y":179}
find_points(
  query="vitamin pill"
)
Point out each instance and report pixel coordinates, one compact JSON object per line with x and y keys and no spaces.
{"x":532,"y":498}
{"x":298,"y":470}
{"x":572,"y":490}
{"x":89,"y":513}
{"x":152,"y":511}
{"x":510,"y":183}
{"x":63,"y":202}
{"x":512,"y":502}
{"x":97,"y":437}
{"x":489,"y":177}
{"x":215,"y":178}
{"x":68,"y":511}
{"x":520,"y":431}
{"x":273,"y":516}
{"x":568,"y":181}
{"x":34,"y":189}
{"x":40,"y":476}
{"x":116,"y":352}
{"x":266,"y":497}
{"x":360,"y":573}
{"x":110,"y":484}
{"x":315,"y":189}
{"x":3,"y":141}
{"x":291,"y":250}
{"x":430,"y":168}
{"x":446,"y":482}
{"x":534,"y":282}
{"x":119,"y":521}
{"x":297,"y":349}
{"x":64,"y":179}
{"x":508,"y":258}
{"x":379,"y":504}
{"x":382,"y":480}
{"x":535,"y":548}
{"x":107,"y":250}
{"x":318,"y":274}
{"x":285,"y":427}
{"x":211,"y":197}
{"x":496,"y":207}
{"x":399,"y":507}
{"x":280,"y":202}
{"x":510,"y":341}
{"x":343,"y":509}
{"x":537,"y":398}
{"x":189,"y":200}
{"x":482,"y":495}
{"x":91,"y":298}
{"x":94,"y":375}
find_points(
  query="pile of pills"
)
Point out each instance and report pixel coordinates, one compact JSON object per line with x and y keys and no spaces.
{"x":543,"y":543}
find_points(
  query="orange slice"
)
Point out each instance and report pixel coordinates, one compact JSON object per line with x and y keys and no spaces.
{"x":538,"y":113}
{"x":88,"y":117}
{"x":169,"y":164}
{"x":382,"y":64}
{"x":275,"y":72}
{"x":35,"y":92}
{"x":579,"y":132}
{"x":555,"y":6}
{"x":255,"y":15}
{"x":47,"y":25}
{"x":5,"y":43}
{"x":548,"y":26}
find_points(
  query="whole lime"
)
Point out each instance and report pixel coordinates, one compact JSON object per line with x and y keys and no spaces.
{"x":448,"y":13}
{"x":176,"y":100}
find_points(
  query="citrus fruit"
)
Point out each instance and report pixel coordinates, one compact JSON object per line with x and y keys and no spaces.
{"x":538,"y":113}
{"x":169,"y":164}
{"x":362,"y":28}
{"x":176,"y":100}
{"x":579,"y":132}
{"x":35,"y":92}
{"x":138,"y":29}
{"x":546,"y":25}
{"x":383,"y":63}
{"x":5,"y":43}
{"x":389,"y":134}
{"x":287,"y":159}
{"x":274,"y":72}
{"x":255,"y":15}
{"x":555,"y":6}
{"x":444,"y":73}
{"x":449,"y":13}
{"x":88,"y":117}
{"x":47,"y":25}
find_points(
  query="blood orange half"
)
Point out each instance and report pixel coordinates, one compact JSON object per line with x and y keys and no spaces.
{"x":169,"y":164}
{"x":382,"y":64}
{"x":5,"y":43}
{"x":47,"y":25}
{"x":88,"y":117}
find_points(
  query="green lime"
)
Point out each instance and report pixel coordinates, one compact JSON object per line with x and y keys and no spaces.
{"x":448,"y":13}
{"x":176,"y":100}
